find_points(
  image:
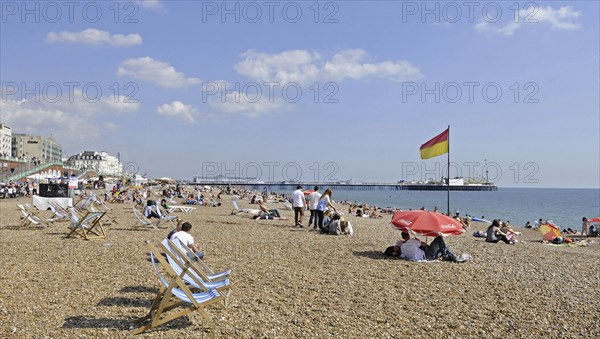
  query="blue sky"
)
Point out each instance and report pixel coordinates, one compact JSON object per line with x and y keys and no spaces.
{"x":179,"y":83}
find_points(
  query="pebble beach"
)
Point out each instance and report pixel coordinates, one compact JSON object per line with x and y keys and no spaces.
{"x":294,"y":282}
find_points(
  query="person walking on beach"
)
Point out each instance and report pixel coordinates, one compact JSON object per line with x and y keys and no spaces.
{"x":298,"y":203}
{"x":585,"y":224}
{"x":313,"y":201}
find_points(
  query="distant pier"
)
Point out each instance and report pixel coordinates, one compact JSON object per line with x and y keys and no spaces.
{"x":353,"y":187}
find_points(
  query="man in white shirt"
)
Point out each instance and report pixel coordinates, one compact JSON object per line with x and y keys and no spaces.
{"x":298,"y":203}
{"x":184,"y":238}
{"x":313,"y":201}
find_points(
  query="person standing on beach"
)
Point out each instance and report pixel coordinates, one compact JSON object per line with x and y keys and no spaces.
{"x":298,"y":203}
{"x":324,"y":202}
{"x":313,"y":201}
{"x":585,"y":224}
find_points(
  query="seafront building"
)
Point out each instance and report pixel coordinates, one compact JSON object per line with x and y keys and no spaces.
{"x":27,"y":147}
{"x":100,"y":162}
{"x":5,"y":141}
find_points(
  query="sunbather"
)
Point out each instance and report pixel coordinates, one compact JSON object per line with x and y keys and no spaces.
{"x":494,"y":234}
{"x":415,"y":249}
{"x":263,"y":208}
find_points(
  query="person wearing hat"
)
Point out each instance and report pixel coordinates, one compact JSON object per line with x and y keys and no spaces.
{"x":298,"y":203}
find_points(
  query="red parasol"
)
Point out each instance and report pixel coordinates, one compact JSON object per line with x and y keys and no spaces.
{"x":429,"y":224}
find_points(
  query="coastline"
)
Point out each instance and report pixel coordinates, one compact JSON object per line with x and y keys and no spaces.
{"x":291,"y":282}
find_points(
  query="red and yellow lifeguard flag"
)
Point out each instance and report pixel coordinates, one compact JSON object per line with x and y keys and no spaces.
{"x":436,"y":146}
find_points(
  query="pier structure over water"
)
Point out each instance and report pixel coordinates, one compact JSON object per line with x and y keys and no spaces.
{"x":352,"y":186}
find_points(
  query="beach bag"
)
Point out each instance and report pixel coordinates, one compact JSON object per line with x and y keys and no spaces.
{"x":558,"y":240}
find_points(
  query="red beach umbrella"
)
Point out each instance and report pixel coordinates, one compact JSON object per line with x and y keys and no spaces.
{"x":427,"y":223}
{"x":594,"y":220}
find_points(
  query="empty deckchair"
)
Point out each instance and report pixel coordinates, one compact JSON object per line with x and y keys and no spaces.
{"x":173,"y":293}
{"x":30,"y":217}
{"x":59,"y":213}
{"x":189,"y":257}
{"x":88,"y":227}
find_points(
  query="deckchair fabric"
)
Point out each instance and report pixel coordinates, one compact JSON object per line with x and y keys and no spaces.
{"x":143,"y":221}
{"x":173,"y":293}
{"x":87,"y":227}
{"x":179,"y":260}
{"x":59,"y":213}
{"x":189,"y":257}
{"x":194,"y":276}
{"x":30,"y":217}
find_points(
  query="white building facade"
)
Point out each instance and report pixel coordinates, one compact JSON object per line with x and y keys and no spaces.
{"x":100,"y":162}
{"x":5,"y":141}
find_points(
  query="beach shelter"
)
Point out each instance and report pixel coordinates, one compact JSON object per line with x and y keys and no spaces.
{"x":427,"y":223}
{"x":549,"y":232}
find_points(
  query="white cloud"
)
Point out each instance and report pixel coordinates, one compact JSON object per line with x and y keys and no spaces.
{"x":564,"y":18}
{"x":150,"y":4}
{"x":71,"y":117}
{"x":92,"y":36}
{"x":34,"y":118}
{"x":158,"y":72}
{"x":178,"y":108}
{"x":240,"y":103}
{"x":304,"y":67}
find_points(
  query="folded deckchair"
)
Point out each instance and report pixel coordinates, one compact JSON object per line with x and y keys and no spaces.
{"x":191,"y":274}
{"x":88,"y":227}
{"x":30,"y":217}
{"x":173,"y":293}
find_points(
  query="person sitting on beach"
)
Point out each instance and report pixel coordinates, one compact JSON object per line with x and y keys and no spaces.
{"x":163,"y":204}
{"x":528,"y":225}
{"x":176,"y":229}
{"x":416,"y":250}
{"x":494,"y":234}
{"x":151,"y":211}
{"x":263,"y":208}
{"x":511,"y":235}
{"x":184,"y":238}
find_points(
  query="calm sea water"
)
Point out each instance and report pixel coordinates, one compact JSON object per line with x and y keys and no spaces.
{"x":565,"y":207}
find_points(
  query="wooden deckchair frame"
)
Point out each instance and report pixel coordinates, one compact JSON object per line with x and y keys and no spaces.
{"x":30,"y":217}
{"x":143,"y":221}
{"x":88,"y":227}
{"x":189,"y":257}
{"x":166,"y":301}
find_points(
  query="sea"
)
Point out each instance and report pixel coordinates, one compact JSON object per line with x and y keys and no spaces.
{"x":564,"y":206}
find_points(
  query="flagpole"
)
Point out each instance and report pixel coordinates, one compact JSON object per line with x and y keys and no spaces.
{"x":448,"y":173}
